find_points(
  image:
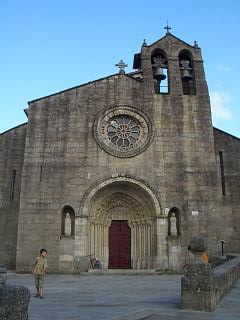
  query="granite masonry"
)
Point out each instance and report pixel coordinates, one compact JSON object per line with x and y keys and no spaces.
{"x":127,"y":167}
{"x":202,"y":286}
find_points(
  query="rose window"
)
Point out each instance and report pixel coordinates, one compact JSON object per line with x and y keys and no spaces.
{"x":123,"y":131}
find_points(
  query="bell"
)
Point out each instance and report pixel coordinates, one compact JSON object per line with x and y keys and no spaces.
{"x":186,"y":75}
{"x":158,"y":74}
{"x":186,"y":70}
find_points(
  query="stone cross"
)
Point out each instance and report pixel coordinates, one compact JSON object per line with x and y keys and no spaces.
{"x":144,"y":43}
{"x":121,"y":65}
{"x":167,"y":28}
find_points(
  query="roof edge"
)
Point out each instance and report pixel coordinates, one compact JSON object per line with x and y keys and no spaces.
{"x":20,"y":125}
{"x":82,"y":85}
{"x":170,"y":34}
{"x":229,"y":134}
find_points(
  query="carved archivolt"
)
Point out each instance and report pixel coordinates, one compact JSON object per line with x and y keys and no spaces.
{"x":119,"y":206}
{"x":133,"y":182}
{"x":122,"y":198}
{"x":119,"y":202}
{"x":122,"y":206}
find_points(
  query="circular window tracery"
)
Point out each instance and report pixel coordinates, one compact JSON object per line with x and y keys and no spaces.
{"x":123,"y":131}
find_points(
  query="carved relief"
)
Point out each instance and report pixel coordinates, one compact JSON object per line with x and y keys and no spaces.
{"x":121,"y":206}
{"x":174,"y":222}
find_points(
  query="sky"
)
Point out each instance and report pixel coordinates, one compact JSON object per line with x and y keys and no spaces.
{"x":51,"y":45}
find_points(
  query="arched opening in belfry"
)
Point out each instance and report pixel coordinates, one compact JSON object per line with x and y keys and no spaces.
{"x":160,"y":71}
{"x":122,"y":227}
{"x":187,"y":72}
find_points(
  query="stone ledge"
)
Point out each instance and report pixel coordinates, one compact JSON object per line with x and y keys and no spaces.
{"x":202,"y":287}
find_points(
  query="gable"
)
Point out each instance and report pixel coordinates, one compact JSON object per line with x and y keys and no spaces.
{"x":88,"y":84}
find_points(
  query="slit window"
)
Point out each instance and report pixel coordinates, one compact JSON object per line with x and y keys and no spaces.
{"x":13,"y":182}
{"x":40,"y":174}
{"x":222,"y":172}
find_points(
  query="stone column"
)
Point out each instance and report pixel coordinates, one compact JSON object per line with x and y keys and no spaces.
{"x":149,"y":242}
{"x":131,"y":225}
{"x":98,"y":240}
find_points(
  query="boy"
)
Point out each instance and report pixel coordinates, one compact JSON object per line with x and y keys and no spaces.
{"x":39,"y":269}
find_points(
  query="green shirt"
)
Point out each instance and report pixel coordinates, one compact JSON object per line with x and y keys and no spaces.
{"x":40,"y":265}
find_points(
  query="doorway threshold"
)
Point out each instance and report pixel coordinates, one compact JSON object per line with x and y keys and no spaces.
{"x":123,"y":272}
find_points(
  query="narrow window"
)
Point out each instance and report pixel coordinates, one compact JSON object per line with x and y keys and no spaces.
{"x":40,"y":175}
{"x":13,"y":181}
{"x":222,"y":173}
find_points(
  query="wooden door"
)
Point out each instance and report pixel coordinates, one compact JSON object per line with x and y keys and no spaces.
{"x":119,"y":245}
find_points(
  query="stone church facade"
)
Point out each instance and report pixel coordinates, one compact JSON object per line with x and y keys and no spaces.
{"x":127,"y":167}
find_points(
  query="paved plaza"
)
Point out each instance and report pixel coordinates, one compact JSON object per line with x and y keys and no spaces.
{"x":151,"y":297}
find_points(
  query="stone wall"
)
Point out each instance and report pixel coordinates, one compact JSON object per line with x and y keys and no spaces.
{"x":202,"y":287}
{"x":225,"y":276}
{"x":229,"y":200}
{"x":12,"y":144}
{"x":63,"y":161}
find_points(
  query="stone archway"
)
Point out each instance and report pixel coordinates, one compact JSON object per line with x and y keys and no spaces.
{"x":129,"y":202}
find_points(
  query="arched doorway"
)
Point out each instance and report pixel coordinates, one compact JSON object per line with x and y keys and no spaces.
{"x":122,"y":226}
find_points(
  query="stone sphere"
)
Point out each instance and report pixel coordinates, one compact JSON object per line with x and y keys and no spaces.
{"x":198,"y":244}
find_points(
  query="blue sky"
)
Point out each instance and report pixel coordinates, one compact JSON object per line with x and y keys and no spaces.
{"x":51,"y":45}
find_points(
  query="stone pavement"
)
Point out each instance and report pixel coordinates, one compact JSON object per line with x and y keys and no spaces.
{"x":151,"y":297}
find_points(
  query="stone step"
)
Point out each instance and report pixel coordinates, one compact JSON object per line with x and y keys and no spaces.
{"x":127,"y":272}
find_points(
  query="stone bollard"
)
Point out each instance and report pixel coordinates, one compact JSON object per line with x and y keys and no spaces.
{"x":14,"y":300}
{"x":197,"y":284}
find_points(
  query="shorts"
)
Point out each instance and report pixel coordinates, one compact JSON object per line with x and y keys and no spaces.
{"x":39,"y":280}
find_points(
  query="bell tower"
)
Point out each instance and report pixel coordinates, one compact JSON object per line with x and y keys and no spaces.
{"x":174,"y":66}
{"x":173,"y":77}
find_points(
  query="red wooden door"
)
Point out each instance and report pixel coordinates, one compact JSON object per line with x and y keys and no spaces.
{"x":119,"y":245}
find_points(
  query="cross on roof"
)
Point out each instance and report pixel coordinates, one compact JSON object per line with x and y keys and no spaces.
{"x":167,"y":28}
{"x":121,"y":65}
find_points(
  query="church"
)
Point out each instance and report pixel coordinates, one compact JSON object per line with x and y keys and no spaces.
{"x":127,"y":168}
